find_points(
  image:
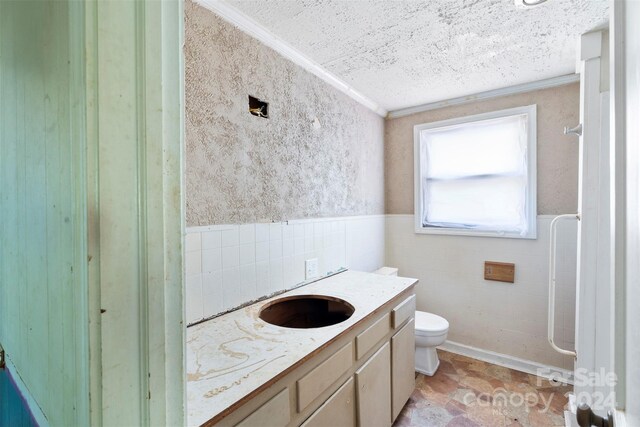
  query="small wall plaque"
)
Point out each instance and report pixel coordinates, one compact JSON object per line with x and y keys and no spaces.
{"x":499,"y":271}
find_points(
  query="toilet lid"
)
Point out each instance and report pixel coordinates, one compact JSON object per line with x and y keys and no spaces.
{"x":429,"y":322}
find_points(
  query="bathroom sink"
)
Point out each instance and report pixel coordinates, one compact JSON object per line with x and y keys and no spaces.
{"x":306,"y":311}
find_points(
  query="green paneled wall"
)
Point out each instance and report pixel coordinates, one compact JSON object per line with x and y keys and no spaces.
{"x":43,"y":323}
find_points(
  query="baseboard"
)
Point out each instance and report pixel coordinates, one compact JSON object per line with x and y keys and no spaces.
{"x":511,"y":362}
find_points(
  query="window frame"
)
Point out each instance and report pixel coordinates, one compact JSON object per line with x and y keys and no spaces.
{"x":531,"y":196}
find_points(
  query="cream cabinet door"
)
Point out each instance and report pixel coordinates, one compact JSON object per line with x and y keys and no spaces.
{"x":373,"y":388}
{"x":403,"y":376}
{"x":275,"y":413}
{"x":338,"y":411}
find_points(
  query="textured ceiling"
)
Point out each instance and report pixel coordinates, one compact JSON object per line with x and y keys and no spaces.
{"x":407,"y":53}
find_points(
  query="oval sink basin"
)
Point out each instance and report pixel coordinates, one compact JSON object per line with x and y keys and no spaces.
{"x":306,"y":311}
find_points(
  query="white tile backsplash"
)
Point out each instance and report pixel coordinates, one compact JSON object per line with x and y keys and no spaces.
{"x":275,"y":231}
{"x":234,"y":264}
{"x":193,"y":263}
{"x":288,"y":247}
{"x":193,"y":293}
{"x":247,"y":233}
{"x":288,"y":231}
{"x":230,"y":237}
{"x":248,"y":276}
{"x":210,"y":239}
{"x":276,"y":279}
{"x":230,"y":257}
{"x":231,"y":289}
{"x":262,"y":251}
{"x":247,"y":254}
{"x":212,"y":293}
{"x":211,"y":260}
{"x":262,"y":232}
{"x":275,"y":249}
{"x":262,"y":278}
{"x":193,"y":242}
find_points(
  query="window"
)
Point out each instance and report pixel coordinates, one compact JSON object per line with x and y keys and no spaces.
{"x":476,"y":175}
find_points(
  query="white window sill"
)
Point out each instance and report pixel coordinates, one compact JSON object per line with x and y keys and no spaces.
{"x":531,"y":235}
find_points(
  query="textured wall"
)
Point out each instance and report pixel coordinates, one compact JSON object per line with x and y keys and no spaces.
{"x":241,"y":168}
{"x":557,"y":153}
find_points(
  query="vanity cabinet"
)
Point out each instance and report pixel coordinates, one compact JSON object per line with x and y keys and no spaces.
{"x":363,"y":378}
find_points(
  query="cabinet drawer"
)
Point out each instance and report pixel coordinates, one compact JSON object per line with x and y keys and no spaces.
{"x":277,"y":411}
{"x":372,"y":335}
{"x":403,"y":311}
{"x":339,"y":410}
{"x":403,"y":376}
{"x":322,"y":376}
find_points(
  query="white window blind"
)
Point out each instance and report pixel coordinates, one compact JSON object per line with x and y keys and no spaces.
{"x":477,"y":174}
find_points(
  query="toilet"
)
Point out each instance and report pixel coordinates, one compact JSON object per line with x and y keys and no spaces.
{"x":430,"y":331}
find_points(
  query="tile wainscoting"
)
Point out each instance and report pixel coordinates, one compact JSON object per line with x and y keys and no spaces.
{"x":230,"y":265}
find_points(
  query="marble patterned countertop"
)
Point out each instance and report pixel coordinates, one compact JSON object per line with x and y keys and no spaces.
{"x":234,"y":355}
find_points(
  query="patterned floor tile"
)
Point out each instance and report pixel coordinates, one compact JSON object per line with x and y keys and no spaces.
{"x":466,"y":392}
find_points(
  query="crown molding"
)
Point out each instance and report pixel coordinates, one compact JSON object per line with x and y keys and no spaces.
{"x":259,"y":32}
{"x":495,"y":93}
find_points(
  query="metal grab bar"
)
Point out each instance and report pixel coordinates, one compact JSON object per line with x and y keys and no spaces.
{"x":552,"y":282}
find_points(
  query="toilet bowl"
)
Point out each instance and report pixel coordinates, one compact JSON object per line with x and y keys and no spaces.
{"x":431,"y":331}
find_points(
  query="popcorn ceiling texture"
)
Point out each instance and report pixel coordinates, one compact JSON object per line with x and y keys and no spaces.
{"x":241,"y":168}
{"x":557,"y":169}
{"x":406,"y":53}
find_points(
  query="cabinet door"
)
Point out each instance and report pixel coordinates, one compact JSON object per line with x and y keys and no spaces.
{"x":403,"y":376}
{"x":373,"y":388}
{"x":339,"y":410}
{"x":275,"y":413}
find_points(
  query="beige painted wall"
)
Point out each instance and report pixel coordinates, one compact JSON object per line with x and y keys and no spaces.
{"x":557,"y":153}
{"x":505,"y":318}
{"x":241,"y":168}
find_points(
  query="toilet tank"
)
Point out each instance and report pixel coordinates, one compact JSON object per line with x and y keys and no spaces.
{"x":387,"y":271}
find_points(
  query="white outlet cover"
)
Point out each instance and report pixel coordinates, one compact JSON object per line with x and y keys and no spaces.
{"x":311,"y":268}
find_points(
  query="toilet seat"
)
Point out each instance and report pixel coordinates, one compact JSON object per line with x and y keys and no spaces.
{"x":429,"y":324}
